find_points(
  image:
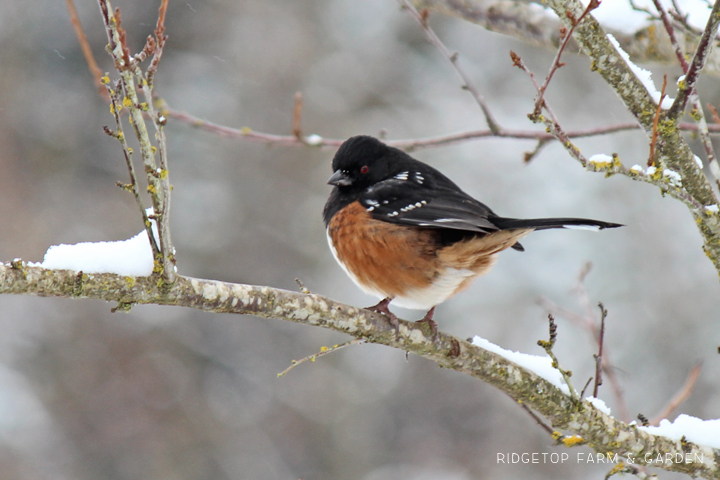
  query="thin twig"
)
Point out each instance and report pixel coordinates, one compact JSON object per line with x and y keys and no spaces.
{"x":529,"y":156}
{"x":671,"y":33}
{"x":85,"y":47}
{"x":302,"y":286}
{"x":556,"y":63}
{"x":116,"y":106}
{"x":323,"y":351}
{"x":588,"y":322}
{"x":248,"y":134}
{"x":582,"y":392}
{"x":552,"y":124}
{"x":599,"y":356}
{"x":680,"y":396}
{"x":714,"y":113}
{"x":422,"y":19}
{"x":539,"y":420}
{"x":548,"y":345}
{"x":160,"y":39}
{"x":162,"y":174}
{"x":297,"y":117}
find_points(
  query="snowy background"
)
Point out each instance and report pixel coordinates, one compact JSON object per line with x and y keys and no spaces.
{"x":178,"y":394}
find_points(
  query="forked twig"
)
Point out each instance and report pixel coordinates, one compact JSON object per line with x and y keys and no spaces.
{"x":552,"y":124}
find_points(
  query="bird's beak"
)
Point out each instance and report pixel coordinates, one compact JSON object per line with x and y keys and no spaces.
{"x":339,"y":179}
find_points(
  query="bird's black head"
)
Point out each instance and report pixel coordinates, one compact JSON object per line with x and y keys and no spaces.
{"x":363,"y":161}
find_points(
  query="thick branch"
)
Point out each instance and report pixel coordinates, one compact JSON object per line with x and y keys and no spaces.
{"x":673,"y":152}
{"x":526,"y":20}
{"x":602,"y":432}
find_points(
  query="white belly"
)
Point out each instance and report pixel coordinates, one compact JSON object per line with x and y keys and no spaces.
{"x":441,"y":289}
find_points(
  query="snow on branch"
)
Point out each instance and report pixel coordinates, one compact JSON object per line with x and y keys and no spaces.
{"x":588,"y":424}
{"x":639,"y":31}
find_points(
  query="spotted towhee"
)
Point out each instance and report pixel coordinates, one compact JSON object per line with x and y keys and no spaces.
{"x":405,"y":233}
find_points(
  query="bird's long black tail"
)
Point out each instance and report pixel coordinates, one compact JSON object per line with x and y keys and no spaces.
{"x":546,"y":223}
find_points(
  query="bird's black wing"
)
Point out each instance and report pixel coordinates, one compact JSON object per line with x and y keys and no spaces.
{"x":407,"y":201}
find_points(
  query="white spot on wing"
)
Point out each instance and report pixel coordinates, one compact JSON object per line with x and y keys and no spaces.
{"x":593,"y":228}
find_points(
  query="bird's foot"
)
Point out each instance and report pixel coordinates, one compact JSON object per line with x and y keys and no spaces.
{"x":382,"y":307}
{"x":432,"y":324}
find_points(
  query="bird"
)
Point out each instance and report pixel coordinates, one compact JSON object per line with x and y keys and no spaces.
{"x":407,"y":234}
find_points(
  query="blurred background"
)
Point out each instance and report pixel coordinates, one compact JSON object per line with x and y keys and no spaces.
{"x":171,"y":393}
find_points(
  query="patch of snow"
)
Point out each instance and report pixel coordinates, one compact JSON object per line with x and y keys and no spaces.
{"x":599,"y":404}
{"x":541,"y":366}
{"x":132,"y":257}
{"x":703,"y":432}
{"x":643,"y":75}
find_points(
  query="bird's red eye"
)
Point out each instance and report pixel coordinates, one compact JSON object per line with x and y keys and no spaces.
{"x":364,"y":169}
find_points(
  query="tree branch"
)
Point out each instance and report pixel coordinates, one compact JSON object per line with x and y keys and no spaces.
{"x":674,"y":156}
{"x":698,"y":63}
{"x":526,"y":20}
{"x":588,"y":424}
